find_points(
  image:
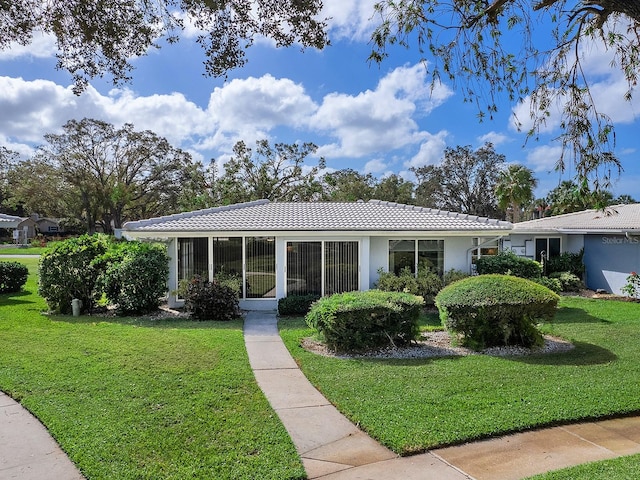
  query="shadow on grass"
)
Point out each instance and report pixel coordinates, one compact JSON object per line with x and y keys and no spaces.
{"x":8,"y":299}
{"x":150,"y":322}
{"x":584,"y":354}
{"x":577,"y":315}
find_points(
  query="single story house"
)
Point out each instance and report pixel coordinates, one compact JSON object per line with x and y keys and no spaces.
{"x":9,"y":221}
{"x":610,"y":238}
{"x":283,"y":248}
{"x":36,"y":224}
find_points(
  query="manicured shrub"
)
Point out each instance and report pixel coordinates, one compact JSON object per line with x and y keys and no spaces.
{"x":454,"y":275}
{"x":67,"y":271}
{"x":494,"y":310}
{"x":568,"y":281}
{"x":206,"y":300}
{"x":426,"y":284}
{"x":296,"y":304}
{"x":365,"y":320}
{"x":508,"y":263}
{"x":566,"y":262}
{"x":13,"y":276}
{"x":552,"y":284}
{"x":134,"y":276}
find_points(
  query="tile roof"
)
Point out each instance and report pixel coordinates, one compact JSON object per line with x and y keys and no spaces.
{"x":615,"y":218}
{"x":9,"y":221}
{"x":263,"y":215}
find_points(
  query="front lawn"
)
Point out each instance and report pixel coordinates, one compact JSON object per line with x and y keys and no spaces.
{"x":414,"y":405}
{"x":142,"y":399}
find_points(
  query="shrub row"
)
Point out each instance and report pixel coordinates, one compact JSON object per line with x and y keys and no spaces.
{"x":132,"y":275}
{"x":13,"y":276}
{"x":366,"y":319}
{"x":296,"y":304}
{"x":493,"y":310}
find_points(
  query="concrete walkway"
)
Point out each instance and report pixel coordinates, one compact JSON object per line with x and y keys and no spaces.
{"x":27,"y":451}
{"x":332,"y":448}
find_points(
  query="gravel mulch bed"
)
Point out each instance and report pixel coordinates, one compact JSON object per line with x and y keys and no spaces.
{"x":438,"y":344}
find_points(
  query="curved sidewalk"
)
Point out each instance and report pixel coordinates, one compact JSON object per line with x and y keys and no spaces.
{"x":27,"y":450}
{"x":332,"y":448}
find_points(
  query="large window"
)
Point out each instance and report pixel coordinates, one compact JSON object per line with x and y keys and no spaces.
{"x":414,"y":254}
{"x":309,"y":271}
{"x":227,"y":255}
{"x":261,"y":267}
{"x":547,"y":248}
{"x":193,"y":257}
{"x":340,"y":267}
{"x":484,"y":247}
{"x":304,"y":268}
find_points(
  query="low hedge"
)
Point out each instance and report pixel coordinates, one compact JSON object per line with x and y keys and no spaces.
{"x":217,"y":300}
{"x":296,"y":304}
{"x":495,"y":310}
{"x":354,"y":321}
{"x":13,"y":276}
{"x":508,"y":263}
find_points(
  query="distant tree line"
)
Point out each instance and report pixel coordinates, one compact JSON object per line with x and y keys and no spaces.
{"x":97,"y":176}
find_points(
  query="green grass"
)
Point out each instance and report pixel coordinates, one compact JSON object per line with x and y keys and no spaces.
{"x":414,"y":405}
{"x":22,"y":251}
{"x":142,"y":399}
{"x":623,"y":468}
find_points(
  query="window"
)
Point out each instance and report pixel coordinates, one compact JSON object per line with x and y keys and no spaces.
{"x":304,"y":268}
{"x":227,"y":255}
{"x":340,"y":267}
{"x":322,"y":268}
{"x":409,"y":253}
{"x":193,"y":257}
{"x":260,"y":279}
{"x":547,"y":247}
{"x":485,"y":247}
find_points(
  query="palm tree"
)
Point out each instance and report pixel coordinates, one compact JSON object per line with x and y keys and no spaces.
{"x":514,"y":189}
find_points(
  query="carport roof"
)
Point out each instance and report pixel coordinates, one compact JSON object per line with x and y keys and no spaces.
{"x":265,"y":216}
{"x":617,"y":218}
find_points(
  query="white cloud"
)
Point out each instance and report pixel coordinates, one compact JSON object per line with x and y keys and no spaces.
{"x":379,"y":120}
{"x":350,"y":19}
{"x":41,"y":46}
{"x":494,"y":138}
{"x":544,"y":158}
{"x":431,"y":151}
{"x":375,"y":166}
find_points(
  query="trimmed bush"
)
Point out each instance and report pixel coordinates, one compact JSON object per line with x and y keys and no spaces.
{"x":552,"y":284}
{"x":494,"y":310}
{"x":426,"y":285}
{"x":215,"y":300}
{"x":13,"y":276}
{"x":134,"y":276}
{"x":296,"y":304}
{"x":68,"y":271}
{"x":454,"y":275}
{"x":566,"y":262}
{"x":568,"y":281}
{"x":354,"y":321}
{"x":508,"y":263}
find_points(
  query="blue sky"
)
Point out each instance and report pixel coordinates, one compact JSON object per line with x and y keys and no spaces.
{"x":375,"y":119}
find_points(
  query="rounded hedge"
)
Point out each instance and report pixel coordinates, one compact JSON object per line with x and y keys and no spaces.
{"x":495,"y":310}
{"x":508,"y":263}
{"x":13,"y":276}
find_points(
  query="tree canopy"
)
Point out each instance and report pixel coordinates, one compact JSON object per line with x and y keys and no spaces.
{"x":488,"y":48}
{"x":95,"y":38}
{"x":102,"y":174}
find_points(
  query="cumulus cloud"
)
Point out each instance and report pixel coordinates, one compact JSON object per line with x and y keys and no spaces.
{"x":381,"y":119}
{"x":494,"y":138}
{"x":544,"y":158}
{"x":375,"y":166}
{"x":41,"y":46}
{"x":350,"y":19}
{"x":431,"y":151}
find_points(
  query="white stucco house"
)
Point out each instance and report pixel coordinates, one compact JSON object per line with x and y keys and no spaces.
{"x":610,"y":238}
{"x":282,"y":248}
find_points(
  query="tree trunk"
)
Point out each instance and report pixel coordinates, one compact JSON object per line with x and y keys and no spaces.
{"x":629,"y":8}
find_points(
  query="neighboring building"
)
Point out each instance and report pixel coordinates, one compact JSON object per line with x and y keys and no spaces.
{"x":8,"y":222}
{"x":36,"y":224}
{"x":610,"y":238}
{"x":282,"y":248}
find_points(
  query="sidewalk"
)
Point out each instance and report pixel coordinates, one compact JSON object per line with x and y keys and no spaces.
{"x":27,"y":451}
{"x":332,"y":448}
